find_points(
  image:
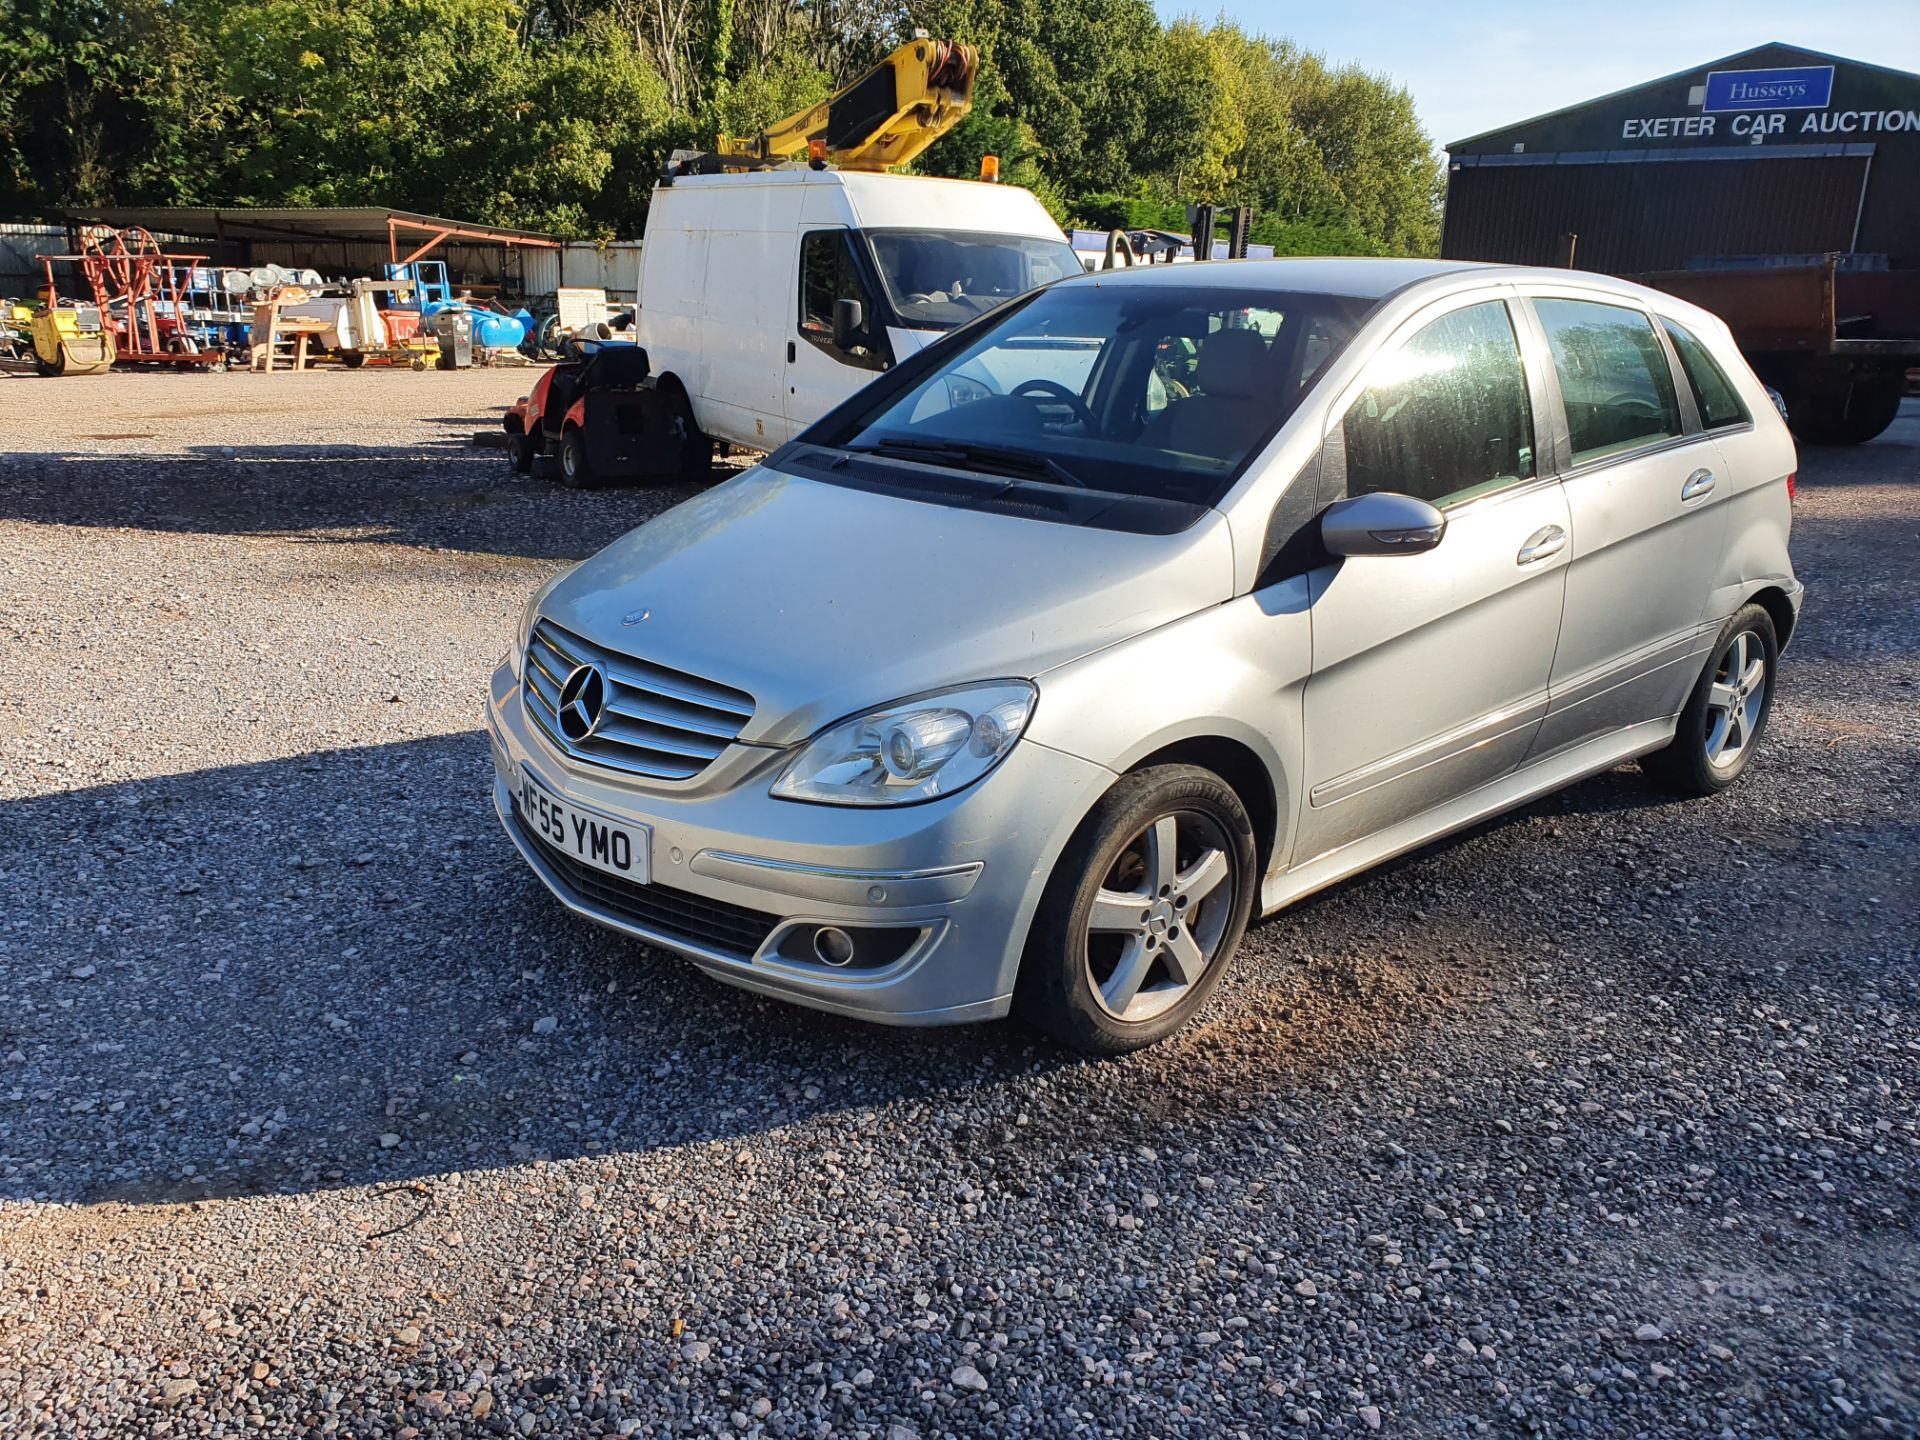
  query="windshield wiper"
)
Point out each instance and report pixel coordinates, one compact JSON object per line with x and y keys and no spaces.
{"x":987,"y":459}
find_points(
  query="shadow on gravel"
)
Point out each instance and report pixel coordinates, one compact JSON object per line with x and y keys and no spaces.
{"x":239,"y":981}
{"x":442,"y":492}
{"x":330,"y":970}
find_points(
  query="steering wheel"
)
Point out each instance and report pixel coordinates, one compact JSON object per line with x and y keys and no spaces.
{"x":1040,"y":388}
{"x":1631,"y":403}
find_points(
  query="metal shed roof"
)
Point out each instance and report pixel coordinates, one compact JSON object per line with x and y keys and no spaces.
{"x":1774,"y":51}
{"x":367,"y":223}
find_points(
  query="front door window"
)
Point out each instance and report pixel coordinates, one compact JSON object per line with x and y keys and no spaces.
{"x":827,"y":274}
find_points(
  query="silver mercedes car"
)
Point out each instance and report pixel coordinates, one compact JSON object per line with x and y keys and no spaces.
{"x":1146,"y":604}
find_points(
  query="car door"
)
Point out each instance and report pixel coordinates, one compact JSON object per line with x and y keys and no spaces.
{"x":820,"y":372}
{"x":1430,"y":670}
{"x":1646,"y":490}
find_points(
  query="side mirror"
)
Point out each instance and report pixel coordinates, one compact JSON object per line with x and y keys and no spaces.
{"x":849,"y":324}
{"x":1381,"y":524}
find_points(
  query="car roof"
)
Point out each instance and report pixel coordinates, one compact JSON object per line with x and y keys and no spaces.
{"x":1363,"y":277}
{"x":1370,"y":278}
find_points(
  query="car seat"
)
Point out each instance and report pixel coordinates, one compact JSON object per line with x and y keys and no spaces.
{"x":1229,"y":413}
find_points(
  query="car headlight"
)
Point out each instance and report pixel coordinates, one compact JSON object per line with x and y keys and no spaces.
{"x":517,"y":656}
{"x":913,"y":750}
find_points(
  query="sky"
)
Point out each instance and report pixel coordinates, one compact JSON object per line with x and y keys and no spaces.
{"x":1475,"y":65}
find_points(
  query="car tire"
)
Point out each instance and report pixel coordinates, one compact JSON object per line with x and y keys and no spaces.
{"x":1106,"y":977}
{"x":1725,"y":716}
{"x":574,"y":471}
{"x":519,"y":452}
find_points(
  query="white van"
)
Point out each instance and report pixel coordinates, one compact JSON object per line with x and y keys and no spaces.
{"x":741,"y":275}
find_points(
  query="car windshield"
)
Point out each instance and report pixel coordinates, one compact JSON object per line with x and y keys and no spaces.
{"x":938,"y":279}
{"x":1159,"y":392}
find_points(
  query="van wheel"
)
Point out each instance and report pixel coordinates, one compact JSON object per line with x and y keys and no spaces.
{"x":575,"y":472}
{"x":519,"y":452}
{"x":696,"y":459}
{"x":1143,"y":912}
{"x":1727,"y":713}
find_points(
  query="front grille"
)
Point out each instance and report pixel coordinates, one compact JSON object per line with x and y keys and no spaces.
{"x":660,"y":723}
{"x":712,"y":924}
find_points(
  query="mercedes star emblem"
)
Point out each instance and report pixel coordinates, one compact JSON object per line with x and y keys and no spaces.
{"x":583,"y":701}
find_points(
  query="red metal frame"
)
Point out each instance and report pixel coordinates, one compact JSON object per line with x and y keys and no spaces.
{"x":439,"y":234}
{"x":133,"y":283}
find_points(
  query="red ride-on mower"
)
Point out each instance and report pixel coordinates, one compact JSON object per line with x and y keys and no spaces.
{"x":603,"y":420}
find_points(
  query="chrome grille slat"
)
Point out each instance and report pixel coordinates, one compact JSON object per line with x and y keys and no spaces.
{"x":659,"y":723}
{"x":625,"y":707}
{"x":533,"y":658}
{"x":618,"y":732}
{"x":538,"y":688}
{"x":715,"y":699}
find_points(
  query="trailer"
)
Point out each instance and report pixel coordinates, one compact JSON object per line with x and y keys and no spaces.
{"x":1778,"y":187}
{"x":1836,"y":342}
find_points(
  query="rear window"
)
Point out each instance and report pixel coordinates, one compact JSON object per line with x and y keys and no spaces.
{"x":1719,"y":402}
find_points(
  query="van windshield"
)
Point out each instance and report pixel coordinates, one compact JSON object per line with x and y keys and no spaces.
{"x":1156,"y":393}
{"x":938,"y":279}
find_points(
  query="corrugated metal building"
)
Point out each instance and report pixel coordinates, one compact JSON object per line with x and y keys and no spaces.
{"x":1774,"y":152}
{"x":339,"y":243}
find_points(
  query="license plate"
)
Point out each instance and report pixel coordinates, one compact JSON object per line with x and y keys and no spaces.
{"x":619,"y":847}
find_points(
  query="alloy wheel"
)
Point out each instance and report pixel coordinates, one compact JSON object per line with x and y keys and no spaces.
{"x":1159,"y":916}
{"x":1736,"y":699}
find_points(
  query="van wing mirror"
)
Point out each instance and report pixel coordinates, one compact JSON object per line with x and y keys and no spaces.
{"x":849,"y":324}
{"x":1381,"y":524}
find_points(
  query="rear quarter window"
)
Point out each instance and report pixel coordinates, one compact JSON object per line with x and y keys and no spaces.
{"x":1713,"y":392}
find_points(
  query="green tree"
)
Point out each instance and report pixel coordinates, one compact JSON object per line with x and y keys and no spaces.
{"x":558,"y":114}
{"x":100,"y":102}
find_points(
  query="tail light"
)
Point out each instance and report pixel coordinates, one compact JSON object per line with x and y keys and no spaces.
{"x":1793,"y":484}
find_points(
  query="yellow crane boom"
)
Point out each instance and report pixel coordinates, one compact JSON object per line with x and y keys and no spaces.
{"x":885,"y":118}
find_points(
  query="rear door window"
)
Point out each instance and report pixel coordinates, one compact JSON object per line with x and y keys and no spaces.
{"x":1446,"y":417}
{"x":1614,"y":378}
{"x":1719,"y":402}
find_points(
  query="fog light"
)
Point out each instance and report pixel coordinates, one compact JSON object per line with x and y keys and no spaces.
{"x":832,"y":946}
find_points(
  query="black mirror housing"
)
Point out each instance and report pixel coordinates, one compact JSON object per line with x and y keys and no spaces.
{"x":1381,"y":524}
{"x":849,"y":324}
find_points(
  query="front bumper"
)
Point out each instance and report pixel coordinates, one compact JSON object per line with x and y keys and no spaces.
{"x":738,"y":877}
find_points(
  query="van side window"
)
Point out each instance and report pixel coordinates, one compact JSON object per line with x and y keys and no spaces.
{"x":1614,"y":376}
{"x":1719,"y":402}
{"x":827,"y":274}
{"x":1446,"y":418}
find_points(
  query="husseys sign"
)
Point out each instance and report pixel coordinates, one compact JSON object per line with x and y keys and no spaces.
{"x":1800,"y":87}
{"x":1751,"y":105}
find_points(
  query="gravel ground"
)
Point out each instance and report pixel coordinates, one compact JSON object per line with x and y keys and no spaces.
{"x":318,"y":1116}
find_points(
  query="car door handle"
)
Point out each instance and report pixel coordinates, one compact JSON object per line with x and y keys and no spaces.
{"x":1700,"y":482}
{"x":1547,"y":540}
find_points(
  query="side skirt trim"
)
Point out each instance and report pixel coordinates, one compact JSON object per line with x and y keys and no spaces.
{"x":1527,"y":783}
